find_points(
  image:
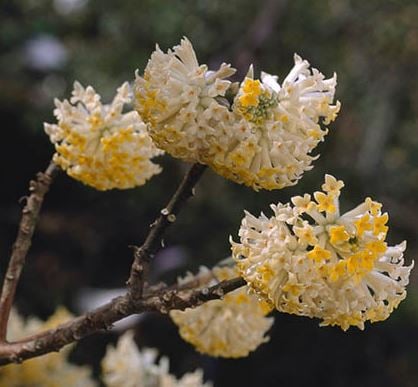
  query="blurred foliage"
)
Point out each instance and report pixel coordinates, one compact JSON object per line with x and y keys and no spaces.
{"x":83,"y":236}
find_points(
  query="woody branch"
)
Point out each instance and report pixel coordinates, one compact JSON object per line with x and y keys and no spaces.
{"x":135,"y":300}
{"x":103,"y":317}
{"x":30,"y":214}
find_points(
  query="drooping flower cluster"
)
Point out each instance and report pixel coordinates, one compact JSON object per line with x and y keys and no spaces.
{"x":180,"y":100}
{"x":282,"y":127}
{"x":52,"y":369}
{"x":310,"y":260}
{"x":100,"y":145}
{"x":261,"y":137}
{"x":126,"y":366}
{"x":232,"y":327}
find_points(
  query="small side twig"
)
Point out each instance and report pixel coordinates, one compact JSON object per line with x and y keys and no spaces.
{"x":103,"y":317}
{"x":180,"y":298}
{"x":30,"y":213}
{"x":144,"y":253}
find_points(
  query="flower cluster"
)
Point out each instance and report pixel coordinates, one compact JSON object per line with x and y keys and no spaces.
{"x":262,"y":136}
{"x":310,"y":260}
{"x":232,"y":327}
{"x":180,"y":99}
{"x":49,"y":370}
{"x":279,"y":127}
{"x":126,"y":366}
{"x":100,"y":145}
{"x":307,"y":259}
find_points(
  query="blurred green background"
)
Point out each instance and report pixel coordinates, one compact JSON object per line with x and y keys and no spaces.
{"x":83,"y":236}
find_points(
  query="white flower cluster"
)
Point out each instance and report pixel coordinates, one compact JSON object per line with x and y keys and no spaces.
{"x":232,"y":327}
{"x":126,"y":366}
{"x":309,"y":260}
{"x":261,"y":137}
{"x":280,"y":126}
{"x":179,"y":99}
{"x":100,"y":145}
{"x":49,"y":370}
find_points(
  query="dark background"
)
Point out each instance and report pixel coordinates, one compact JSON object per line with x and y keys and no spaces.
{"x":83,"y":236}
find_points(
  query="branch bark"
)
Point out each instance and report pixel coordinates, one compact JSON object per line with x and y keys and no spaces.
{"x":30,"y":215}
{"x":103,"y":317}
{"x":134,"y":301}
{"x":144,"y":254}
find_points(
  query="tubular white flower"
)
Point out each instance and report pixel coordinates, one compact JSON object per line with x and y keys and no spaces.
{"x":179,"y":99}
{"x":232,"y":327}
{"x":309,"y":260}
{"x":126,"y":366}
{"x":52,"y":369}
{"x":270,"y":146}
{"x":100,"y":145}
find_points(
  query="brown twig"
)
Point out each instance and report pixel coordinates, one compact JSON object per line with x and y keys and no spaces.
{"x":30,"y":213}
{"x":103,"y":317}
{"x":160,"y":299}
{"x":143,"y":254}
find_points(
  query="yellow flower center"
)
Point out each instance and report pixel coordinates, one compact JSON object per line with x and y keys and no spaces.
{"x":319,"y":254}
{"x":255,"y":102}
{"x":363,"y":224}
{"x":338,"y":234}
{"x":252,"y":90}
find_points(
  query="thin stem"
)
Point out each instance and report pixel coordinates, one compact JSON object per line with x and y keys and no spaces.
{"x":30,"y":214}
{"x":144,"y":254}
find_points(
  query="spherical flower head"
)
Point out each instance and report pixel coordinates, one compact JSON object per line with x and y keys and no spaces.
{"x":278,"y":126}
{"x":52,"y":369}
{"x":100,"y":145}
{"x":232,"y":327}
{"x":308,"y":259}
{"x":183,"y":102}
{"x":126,"y":366}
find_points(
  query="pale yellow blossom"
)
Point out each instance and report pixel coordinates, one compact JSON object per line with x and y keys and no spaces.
{"x":127,"y":366}
{"x":179,"y":99}
{"x":231,"y":327}
{"x":261,"y":136}
{"x":310,"y":260}
{"x":277,"y":127}
{"x":100,"y":145}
